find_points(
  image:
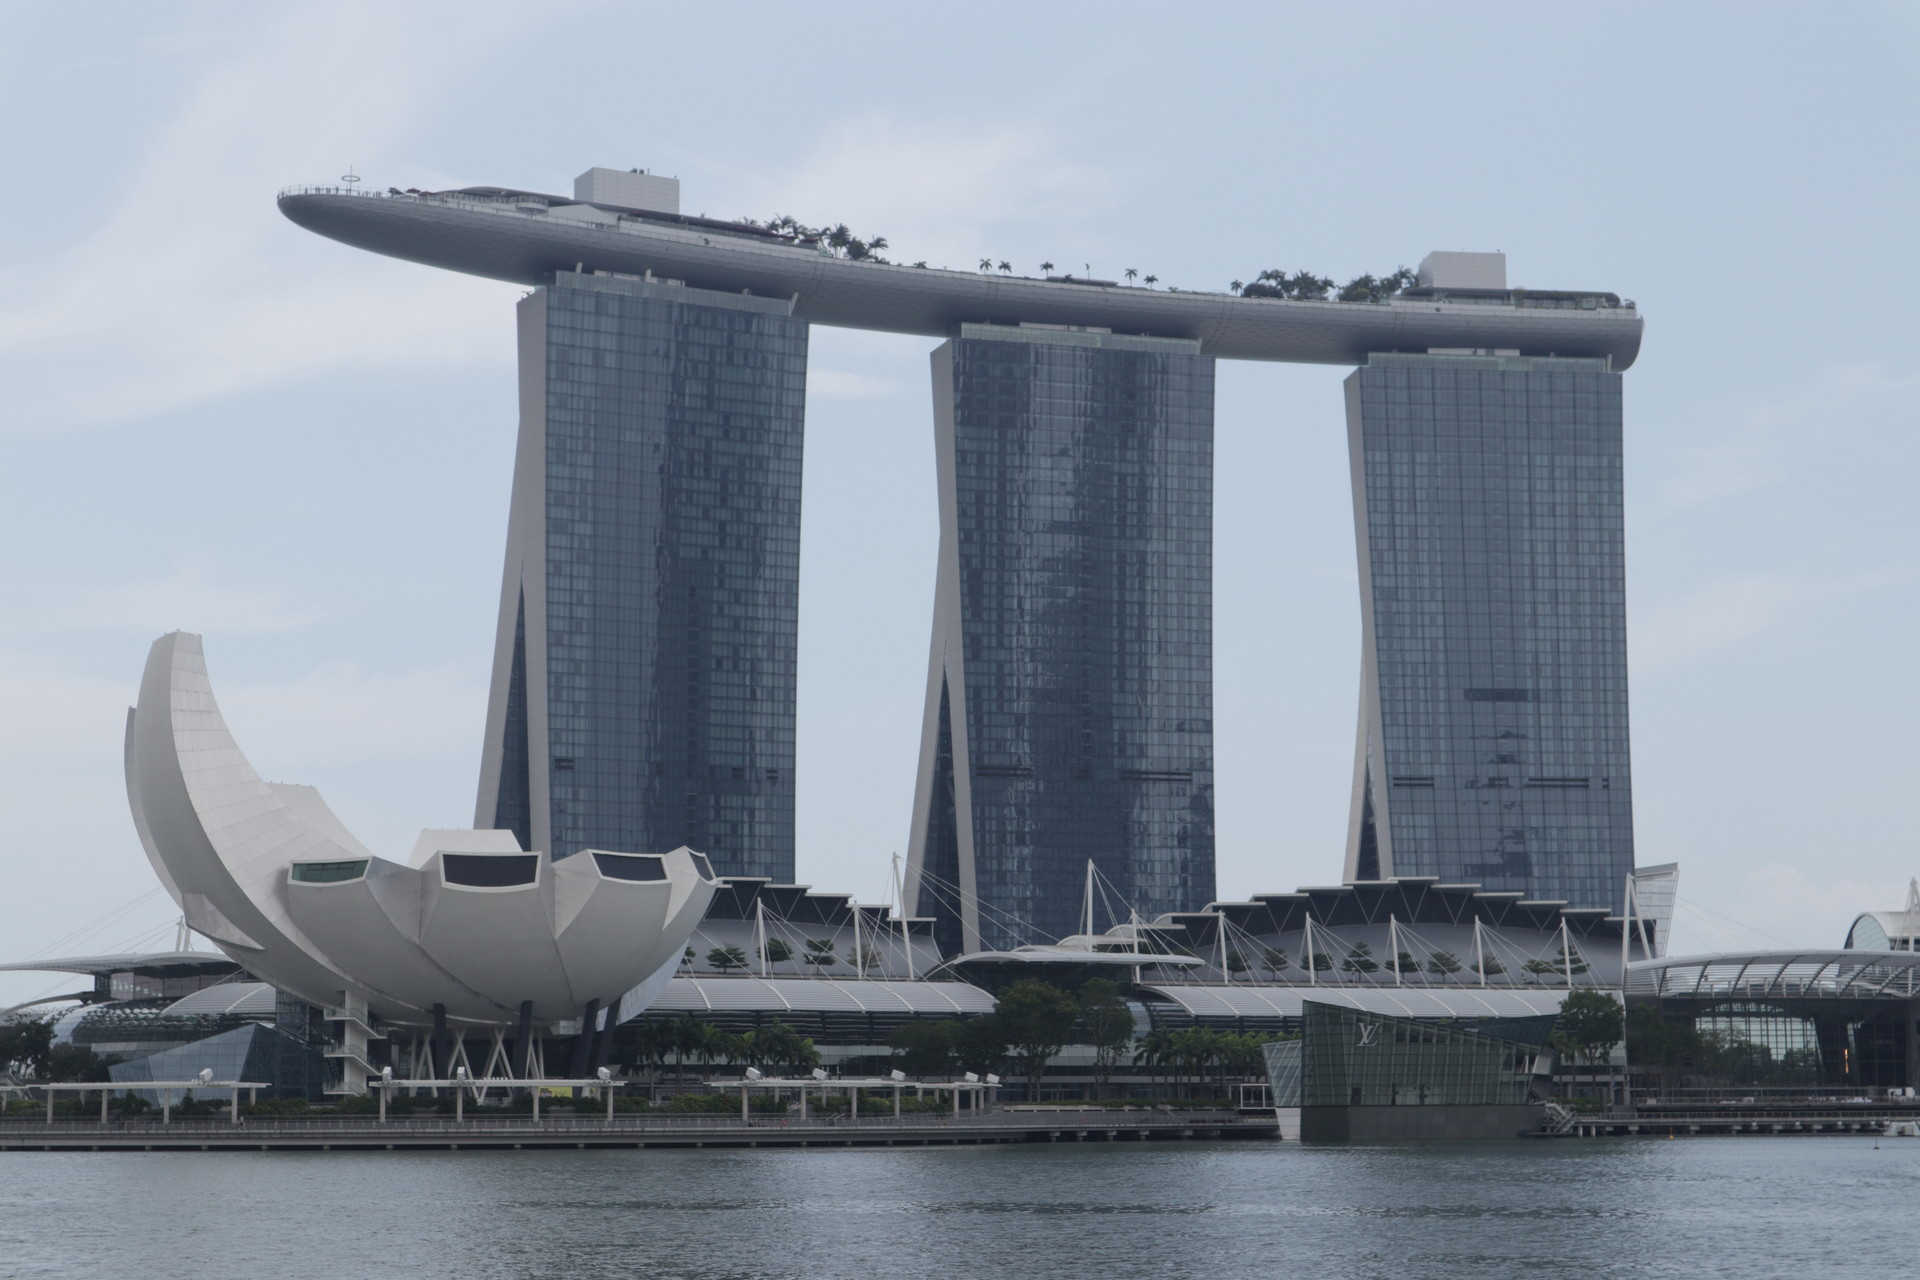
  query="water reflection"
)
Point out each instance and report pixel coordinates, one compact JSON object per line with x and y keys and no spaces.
{"x":1652,"y":1208}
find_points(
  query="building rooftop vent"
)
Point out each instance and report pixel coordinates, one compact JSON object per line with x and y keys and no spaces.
{"x":1442,"y":269}
{"x":629,"y":189}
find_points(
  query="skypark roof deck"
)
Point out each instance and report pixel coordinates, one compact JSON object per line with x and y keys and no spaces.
{"x":523,"y":237}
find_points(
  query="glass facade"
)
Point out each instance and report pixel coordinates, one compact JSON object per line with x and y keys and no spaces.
{"x":644,"y":691}
{"x":1069,"y":712}
{"x":1787,"y":1043}
{"x":1346,"y":1058}
{"x":1493,"y":729}
{"x":255,"y":1052}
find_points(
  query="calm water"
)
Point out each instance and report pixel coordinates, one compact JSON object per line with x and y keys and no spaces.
{"x":1746,"y":1207}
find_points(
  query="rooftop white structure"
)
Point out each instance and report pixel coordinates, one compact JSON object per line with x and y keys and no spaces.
{"x":1889,"y":930}
{"x":472,"y":929}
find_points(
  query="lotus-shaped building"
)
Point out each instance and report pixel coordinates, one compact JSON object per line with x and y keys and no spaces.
{"x":471,"y":930}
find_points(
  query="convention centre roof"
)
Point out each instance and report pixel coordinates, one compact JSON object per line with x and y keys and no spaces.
{"x":820,"y":995}
{"x":1287,"y":1002}
{"x":1837,"y":975}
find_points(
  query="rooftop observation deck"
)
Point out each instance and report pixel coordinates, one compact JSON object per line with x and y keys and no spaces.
{"x":522,"y":237}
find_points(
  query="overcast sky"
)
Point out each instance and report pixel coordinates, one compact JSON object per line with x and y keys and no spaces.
{"x":215,"y":421}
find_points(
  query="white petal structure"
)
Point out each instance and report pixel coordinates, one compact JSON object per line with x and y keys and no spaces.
{"x":471,"y":924}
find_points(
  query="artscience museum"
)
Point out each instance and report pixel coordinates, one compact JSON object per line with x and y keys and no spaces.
{"x":470,"y":931}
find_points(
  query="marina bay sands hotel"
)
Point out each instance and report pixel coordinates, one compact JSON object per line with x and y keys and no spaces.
{"x":644,"y":678}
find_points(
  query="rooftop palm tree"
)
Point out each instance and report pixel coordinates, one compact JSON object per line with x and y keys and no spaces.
{"x":1006,"y":267}
{"x":1046,"y":266}
{"x":1131,"y":272}
{"x":1151,"y":280}
{"x":986,"y":264}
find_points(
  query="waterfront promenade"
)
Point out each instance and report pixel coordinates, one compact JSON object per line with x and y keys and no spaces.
{"x":364,"y":1133}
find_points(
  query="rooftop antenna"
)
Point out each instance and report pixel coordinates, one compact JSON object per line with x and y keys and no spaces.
{"x":349,"y":177}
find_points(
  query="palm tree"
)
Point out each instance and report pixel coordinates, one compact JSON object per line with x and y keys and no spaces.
{"x":1237,"y":285}
{"x":986,"y":264}
{"x":1006,"y":267}
{"x":651,"y":1047}
{"x":1156,"y":1051}
{"x":1046,"y":267}
{"x":1131,"y":273}
{"x":1151,"y":281}
{"x":690,"y":1036}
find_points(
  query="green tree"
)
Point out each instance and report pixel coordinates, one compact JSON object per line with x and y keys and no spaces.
{"x":819,"y":952}
{"x":1045,"y":267}
{"x":25,"y":1045}
{"x":1359,"y":959}
{"x":986,"y":264}
{"x":1663,"y":1046}
{"x":1593,"y":1020}
{"x":75,"y":1063}
{"x":1006,"y":267}
{"x":980,"y":1044}
{"x":780,"y":1046}
{"x":777,"y":951}
{"x":1489,"y":964}
{"x":865,"y":957}
{"x":652,"y":1041}
{"x":1443,"y":962}
{"x":1406,"y":963}
{"x":1150,"y":281}
{"x":1155,"y":1051}
{"x":1037,"y":1019}
{"x":1236,"y":962}
{"x":691,"y":1037}
{"x":925,"y":1048}
{"x":1131,"y":273}
{"x":1274,"y":960}
{"x":1107,"y":1023}
{"x":725,"y":958}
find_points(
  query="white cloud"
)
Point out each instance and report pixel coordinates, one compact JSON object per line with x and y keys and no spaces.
{"x":190,"y":597}
{"x":336,"y":715}
{"x":59,"y":716}
{"x":839,"y":384}
{"x":1779,"y":906}
{"x":340,"y":715}
{"x":954,"y":182}
{"x":1759,"y":450}
{"x":1719,"y":615}
{"x":194,"y":287}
